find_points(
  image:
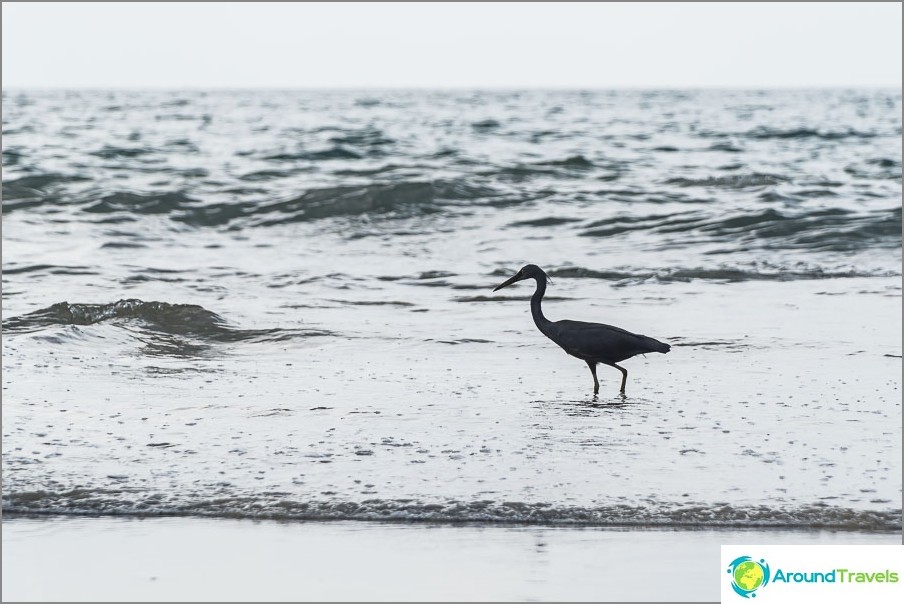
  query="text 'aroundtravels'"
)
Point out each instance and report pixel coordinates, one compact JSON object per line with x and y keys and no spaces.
{"x":838,"y":575}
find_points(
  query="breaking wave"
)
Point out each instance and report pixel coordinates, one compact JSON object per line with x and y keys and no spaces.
{"x":275,"y":506}
{"x":186,"y":320}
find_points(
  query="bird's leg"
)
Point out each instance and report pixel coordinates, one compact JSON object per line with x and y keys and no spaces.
{"x":624,"y":377}
{"x":596,"y":382}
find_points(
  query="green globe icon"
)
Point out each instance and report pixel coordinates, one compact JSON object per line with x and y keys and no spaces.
{"x":748,"y":575}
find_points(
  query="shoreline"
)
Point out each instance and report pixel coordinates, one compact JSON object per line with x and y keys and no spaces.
{"x":16,"y":515}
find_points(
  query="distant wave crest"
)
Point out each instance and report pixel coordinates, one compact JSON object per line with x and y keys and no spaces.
{"x":725,"y":273}
{"x":820,"y":229}
{"x":395,"y":199}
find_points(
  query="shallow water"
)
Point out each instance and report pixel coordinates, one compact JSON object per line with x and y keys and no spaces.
{"x":278,"y":304}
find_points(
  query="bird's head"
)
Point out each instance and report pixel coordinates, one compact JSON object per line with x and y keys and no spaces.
{"x":530,"y":271}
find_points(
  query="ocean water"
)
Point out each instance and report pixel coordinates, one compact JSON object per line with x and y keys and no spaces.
{"x":275,"y":304}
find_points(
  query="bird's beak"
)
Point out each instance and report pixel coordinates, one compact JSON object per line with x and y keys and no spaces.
{"x":514,"y":279}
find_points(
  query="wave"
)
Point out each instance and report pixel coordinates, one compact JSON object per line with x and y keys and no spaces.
{"x":334,"y":152}
{"x":108,"y":152}
{"x":764,"y":133}
{"x":546,"y":221}
{"x":140,"y":203}
{"x":736,"y":181}
{"x":35,"y":189}
{"x":793,"y":224}
{"x":369,"y":137}
{"x":50,"y":269}
{"x":277,"y":506}
{"x":726,"y":147}
{"x":389,"y":200}
{"x":730,"y":274}
{"x":269,"y":175}
{"x":403,"y":199}
{"x":345,"y":144}
{"x":570,"y":168}
{"x":803,"y":133}
{"x":885,"y":162}
{"x":487,"y":125}
{"x":824,"y":229}
{"x":12,"y":155}
{"x":156,"y":318}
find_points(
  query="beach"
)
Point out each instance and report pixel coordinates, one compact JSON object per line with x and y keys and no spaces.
{"x":259,"y":327}
{"x":170,"y":559}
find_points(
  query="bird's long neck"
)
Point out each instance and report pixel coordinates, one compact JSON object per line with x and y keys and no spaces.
{"x":542,"y":322}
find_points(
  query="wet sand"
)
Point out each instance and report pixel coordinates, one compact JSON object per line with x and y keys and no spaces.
{"x":171,"y":559}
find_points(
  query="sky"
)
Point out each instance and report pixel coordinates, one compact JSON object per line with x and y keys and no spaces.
{"x":450,"y":45}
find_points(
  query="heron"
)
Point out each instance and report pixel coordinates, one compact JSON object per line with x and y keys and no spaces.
{"x":593,"y":343}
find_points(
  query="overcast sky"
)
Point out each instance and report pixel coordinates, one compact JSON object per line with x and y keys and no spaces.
{"x":486,"y":45}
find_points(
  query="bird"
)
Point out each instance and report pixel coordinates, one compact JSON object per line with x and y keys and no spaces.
{"x":593,"y":343}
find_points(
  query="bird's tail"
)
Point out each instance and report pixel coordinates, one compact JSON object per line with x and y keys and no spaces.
{"x":658,"y":346}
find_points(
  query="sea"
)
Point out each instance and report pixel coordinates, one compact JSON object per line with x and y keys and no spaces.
{"x":278,"y":304}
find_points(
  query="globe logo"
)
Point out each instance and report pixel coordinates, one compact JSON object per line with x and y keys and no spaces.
{"x":748,"y":575}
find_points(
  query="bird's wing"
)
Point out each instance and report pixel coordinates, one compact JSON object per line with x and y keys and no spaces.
{"x":600,"y":341}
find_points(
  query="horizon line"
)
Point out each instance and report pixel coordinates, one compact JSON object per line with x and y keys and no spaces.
{"x":400,"y":88}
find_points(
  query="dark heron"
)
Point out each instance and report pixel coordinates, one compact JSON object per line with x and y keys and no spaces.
{"x":591,"y":342}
